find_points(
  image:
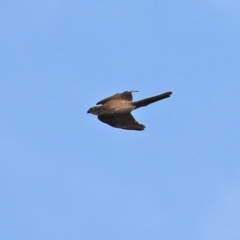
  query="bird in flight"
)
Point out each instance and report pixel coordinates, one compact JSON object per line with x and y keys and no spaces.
{"x":116,"y":110}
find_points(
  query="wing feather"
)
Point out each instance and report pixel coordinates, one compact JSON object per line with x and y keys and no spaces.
{"x":124,"y":121}
{"x":127,"y":95}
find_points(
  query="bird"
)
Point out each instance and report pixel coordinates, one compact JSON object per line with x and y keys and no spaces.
{"x":116,"y":109}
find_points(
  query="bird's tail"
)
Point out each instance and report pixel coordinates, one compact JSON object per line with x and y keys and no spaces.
{"x":147,"y":101}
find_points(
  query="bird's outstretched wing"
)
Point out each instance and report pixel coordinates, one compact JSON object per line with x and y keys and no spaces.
{"x":124,"y":121}
{"x":127,"y":95}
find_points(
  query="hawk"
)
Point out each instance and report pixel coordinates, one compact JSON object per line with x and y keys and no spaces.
{"x":116,"y":110}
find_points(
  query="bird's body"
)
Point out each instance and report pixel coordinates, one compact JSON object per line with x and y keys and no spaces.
{"x":116,"y":110}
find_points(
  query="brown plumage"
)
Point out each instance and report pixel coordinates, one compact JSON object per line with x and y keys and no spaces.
{"x":116,"y":110}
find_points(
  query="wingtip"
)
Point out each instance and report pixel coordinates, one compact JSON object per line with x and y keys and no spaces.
{"x":134,"y":91}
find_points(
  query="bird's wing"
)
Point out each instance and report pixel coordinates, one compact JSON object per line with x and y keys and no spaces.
{"x":127,"y":95}
{"x":124,"y":121}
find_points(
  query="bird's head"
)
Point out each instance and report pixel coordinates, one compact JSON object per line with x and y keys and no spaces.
{"x":95,"y":110}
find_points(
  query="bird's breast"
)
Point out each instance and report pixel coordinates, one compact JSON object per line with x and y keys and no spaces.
{"x":118,"y":107}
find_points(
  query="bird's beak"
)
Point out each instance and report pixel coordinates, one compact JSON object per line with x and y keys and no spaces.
{"x":88,"y":111}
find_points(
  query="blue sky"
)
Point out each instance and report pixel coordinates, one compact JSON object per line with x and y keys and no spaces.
{"x":66,"y":175}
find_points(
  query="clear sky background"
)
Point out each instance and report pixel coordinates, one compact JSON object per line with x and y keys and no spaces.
{"x":66,"y":175}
